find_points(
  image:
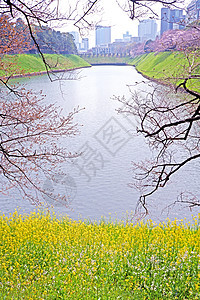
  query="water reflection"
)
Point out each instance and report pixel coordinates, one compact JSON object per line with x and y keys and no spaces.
{"x":97,"y":181}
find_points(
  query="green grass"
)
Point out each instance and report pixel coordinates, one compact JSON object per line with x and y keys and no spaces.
{"x":168,"y":67}
{"x":42,"y":257}
{"x":107,"y":60}
{"x":31,"y":63}
{"x":161,"y":65}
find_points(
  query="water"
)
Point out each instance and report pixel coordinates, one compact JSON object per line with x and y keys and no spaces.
{"x":97,"y":183}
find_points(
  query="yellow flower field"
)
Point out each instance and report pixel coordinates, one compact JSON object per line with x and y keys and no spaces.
{"x":43,"y":257}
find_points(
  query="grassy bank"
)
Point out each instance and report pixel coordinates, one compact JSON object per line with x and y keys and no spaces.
{"x":106,"y":60}
{"x":45,"y":258}
{"x":32,"y":63}
{"x":167,"y":67}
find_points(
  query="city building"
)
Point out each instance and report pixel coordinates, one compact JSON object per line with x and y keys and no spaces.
{"x":127,"y":37}
{"x":103,"y":35}
{"x":76,"y":38}
{"x":171,"y":19}
{"x":119,"y":41}
{"x":193,"y":11}
{"x":135,"y":39}
{"x":84,"y":45}
{"x":147,"y":30}
{"x":120,"y":47}
{"x":116,"y":48}
{"x":85,"y":42}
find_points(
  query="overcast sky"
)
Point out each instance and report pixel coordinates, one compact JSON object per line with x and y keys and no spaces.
{"x":119,"y":20}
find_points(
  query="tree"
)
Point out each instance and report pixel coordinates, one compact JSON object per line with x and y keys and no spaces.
{"x":52,"y":41}
{"x":137,"y":9}
{"x":52,"y":13}
{"x":29,"y":132}
{"x":170,"y":126}
{"x":12,"y":39}
{"x":29,"y":129}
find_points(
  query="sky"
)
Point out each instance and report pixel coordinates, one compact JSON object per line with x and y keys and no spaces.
{"x":120,"y":21}
{"x":114,"y":16}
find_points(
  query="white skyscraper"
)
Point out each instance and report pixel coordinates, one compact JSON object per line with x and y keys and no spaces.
{"x":147,"y":30}
{"x":103,"y":35}
{"x":76,"y":38}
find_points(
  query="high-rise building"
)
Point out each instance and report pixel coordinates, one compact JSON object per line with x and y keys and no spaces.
{"x":193,"y":11}
{"x":76,"y":38}
{"x":165,"y":19}
{"x":147,"y":30}
{"x":103,"y":35}
{"x":171,"y":19}
{"x":127,"y":37}
{"x":85,"y":43}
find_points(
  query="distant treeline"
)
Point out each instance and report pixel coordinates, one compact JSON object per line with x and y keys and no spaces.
{"x":52,"y":41}
{"x":48,"y":40}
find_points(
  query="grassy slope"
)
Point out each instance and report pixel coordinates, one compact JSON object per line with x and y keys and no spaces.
{"x":107,"y":60}
{"x":168,"y":67}
{"x":26,"y":63}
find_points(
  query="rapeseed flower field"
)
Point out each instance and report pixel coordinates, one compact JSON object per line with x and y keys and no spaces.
{"x":44,"y":257}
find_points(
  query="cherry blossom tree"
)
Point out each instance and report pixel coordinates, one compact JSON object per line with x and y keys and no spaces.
{"x":169,"y":120}
{"x":30,"y":130}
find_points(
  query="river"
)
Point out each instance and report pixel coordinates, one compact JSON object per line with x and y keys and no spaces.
{"x":97,"y":182}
